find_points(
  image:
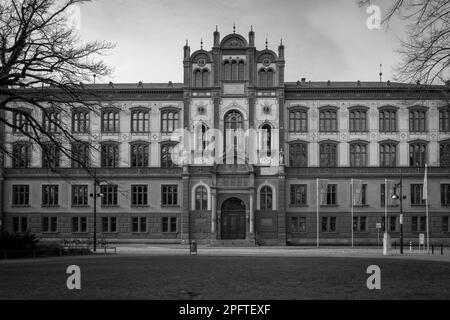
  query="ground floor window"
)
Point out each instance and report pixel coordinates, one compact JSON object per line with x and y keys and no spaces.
{"x":20,"y":224}
{"x":298,"y":224}
{"x":109,"y":224}
{"x":392,"y":224}
{"x":445,"y":224}
{"x":79,"y":224}
{"x":139,"y":224}
{"x":419,"y":224}
{"x":49,"y":224}
{"x":445,"y":194}
{"x":328,"y":224}
{"x":169,"y":224}
{"x":360,"y":224}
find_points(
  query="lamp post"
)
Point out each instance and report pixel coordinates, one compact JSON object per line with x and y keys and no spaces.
{"x":400,"y":197}
{"x":95,"y":195}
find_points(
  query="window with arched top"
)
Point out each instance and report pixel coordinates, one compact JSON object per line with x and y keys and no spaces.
{"x":417,"y":119}
{"x":169,"y":120}
{"x":205,"y":79}
{"x":388,"y":120}
{"x":20,"y":121}
{"x":50,"y":156}
{"x":298,"y":154}
{"x":267,"y":139}
{"x":233,"y":121}
{"x":200,"y":137}
{"x":21,"y":155}
{"x":110,"y":120}
{"x":51,"y":120}
{"x":139,"y":155}
{"x":197,"y":78}
{"x":166,"y":155}
{"x":227,"y":70}
{"x":241,"y":70}
{"x":270,"y":78}
{"x":266,"y":198}
{"x":388,"y":154}
{"x":140,"y":120}
{"x":328,"y":154}
{"x":417,"y":154}
{"x":358,"y":154}
{"x":80,"y":121}
{"x":266,"y":78}
{"x":80,"y":154}
{"x":234,"y":70}
{"x":109,"y":155}
{"x":444,"y":153}
{"x":201,"y":198}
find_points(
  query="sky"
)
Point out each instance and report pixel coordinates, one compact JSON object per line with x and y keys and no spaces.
{"x":324,"y":39}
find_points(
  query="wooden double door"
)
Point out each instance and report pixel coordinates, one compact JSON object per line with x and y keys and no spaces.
{"x":233,"y":219}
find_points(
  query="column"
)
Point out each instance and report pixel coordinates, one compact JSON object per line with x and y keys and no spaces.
{"x":252,"y":216}
{"x":213,"y":214}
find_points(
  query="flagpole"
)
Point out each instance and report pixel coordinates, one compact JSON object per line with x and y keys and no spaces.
{"x":386,"y":194}
{"x":353,"y":202}
{"x":428,"y":234}
{"x":425,"y":195}
{"x":317,"y":183}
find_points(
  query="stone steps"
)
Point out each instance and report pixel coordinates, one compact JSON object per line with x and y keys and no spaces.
{"x":233,"y":243}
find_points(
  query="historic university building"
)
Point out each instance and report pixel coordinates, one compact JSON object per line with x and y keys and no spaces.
{"x":265,"y":193}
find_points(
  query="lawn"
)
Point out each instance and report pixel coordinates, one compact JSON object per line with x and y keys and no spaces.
{"x":203,"y":277}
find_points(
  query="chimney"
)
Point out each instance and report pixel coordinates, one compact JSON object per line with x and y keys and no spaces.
{"x":303,"y":80}
{"x":216,"y":36}
{"x":251,"y":37}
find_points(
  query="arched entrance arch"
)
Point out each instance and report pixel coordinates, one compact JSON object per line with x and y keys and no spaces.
{"x":233,"y":219}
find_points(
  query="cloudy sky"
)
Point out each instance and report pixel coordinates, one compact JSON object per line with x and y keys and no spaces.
{"x":324,"y":39}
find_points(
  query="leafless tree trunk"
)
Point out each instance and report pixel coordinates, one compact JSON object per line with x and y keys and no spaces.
{"x":43,"y":65}
{"x":426,"y":52}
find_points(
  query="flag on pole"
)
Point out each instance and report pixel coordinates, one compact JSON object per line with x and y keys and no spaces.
{"x":357,"y":192}
{"x":323,"y":186}
{"x":425,"y":184}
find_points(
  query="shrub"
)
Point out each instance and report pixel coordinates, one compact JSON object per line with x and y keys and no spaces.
{"x":17,"y":242}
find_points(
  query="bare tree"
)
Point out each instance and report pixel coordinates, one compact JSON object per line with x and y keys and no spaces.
{"x":426,"y":51}
{"x":43,"y":65}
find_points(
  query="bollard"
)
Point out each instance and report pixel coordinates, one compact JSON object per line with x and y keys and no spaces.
{"x":193,"y":248}
{"x":410,"y":246}
{"x":395,"y":245}
{"x":432,"y":249}
{"x":442,"y":249}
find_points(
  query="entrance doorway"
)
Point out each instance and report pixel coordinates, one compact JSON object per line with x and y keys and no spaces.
{"x":233,"y":219}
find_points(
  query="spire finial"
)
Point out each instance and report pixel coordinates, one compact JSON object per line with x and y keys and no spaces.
{"x":266,"y":43}
{"x":381,"y":72}
{"x":187,"y":42}
{"x":234,"y":28}
{"x":217,"y":28}
{"x":251,"y":28}
{"x":201,"y":43}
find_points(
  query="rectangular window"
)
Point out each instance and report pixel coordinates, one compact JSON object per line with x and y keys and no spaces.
{"x":109,"y":224}
{"x":21,"y":155}
{"x":360,"y":224}
{"x":445,"y":226}
{"x":358,"y":121}
{"x":363,"y":196}
{"x":20,"y":224}
{"x":79,"y":224}
{"x":109,"y":195}
{"x":419,"y":224}
{"x":169,"y":224}
{"x":393,"y":223}
{"x":298,"y":121}
{"x":417,"y":194}
{"x":21,"y":122}
{"x":298,"y":194}
{"x":139,"y":195}
{"x":331,"y":194}
{"x":417,"y":120}
{"x":50,"y":195}
{"x":298,"y":224}
{"x":445,"y":194}
{"x":444,"y":120}
{"x":298,"y":155}
{"x":328,"y":224}
{"x":49,"y":224}
{"x":169,"y":195}
{"x":328,"y":120}
{"x":21,"y":195}
{"x":388,"y":121}
{"x":79,"y":195}
{"x":139,"y":224}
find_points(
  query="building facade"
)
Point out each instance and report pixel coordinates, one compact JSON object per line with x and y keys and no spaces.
{"x":331,"y":131}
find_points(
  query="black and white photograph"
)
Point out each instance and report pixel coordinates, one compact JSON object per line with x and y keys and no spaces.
{"x":219,"y":157}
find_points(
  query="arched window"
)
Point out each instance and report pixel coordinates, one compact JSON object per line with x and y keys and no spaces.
{"x":109,"y":155}
{"x":51,"y":120}
{"x":358,"y":120}
{"x":444,"y":153}
{"x":200,"y":137}
{"x":80,"y":121}
{"x":388,"y":154}
{"x":226,"y":70}
{"x":241,"y":69}
{"x":266,"y":198}
{"x":166,"y":155}
{"x":417,"y":122}
{"x":328,"y":154}
{"x":205,"y":79}
{"x":298,"y":120}
{"x":298,"y":154}
{"x":267,"y":139}
{"x":140,"y":119}
{"x":233,"y":121}
{"x":262,"y":77}
{"x":234,"y":70}
{"x":388,"y":120}
{"x":21,"y":122}
{"x":139,"y":155}
{"x":197,"y":78}
{"x":270,"y":78}
{"x":328,"y":120}
{"x":21,"y":155}
{"x":169,"y":121}
{"x":417,"y":154}
{"x":201,"y":198}
{"x":80,"y":155}
{"x":110,"y":120}
{"x":50,"y":156}
{"x":358,"y":154}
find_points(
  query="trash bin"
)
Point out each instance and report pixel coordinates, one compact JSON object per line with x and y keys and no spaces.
{"x":193,"y":247}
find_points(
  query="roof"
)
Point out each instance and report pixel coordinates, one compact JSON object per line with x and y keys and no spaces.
{"x":355,"y":84}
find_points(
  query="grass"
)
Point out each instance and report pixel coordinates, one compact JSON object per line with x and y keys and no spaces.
{"x":202,"y":277}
